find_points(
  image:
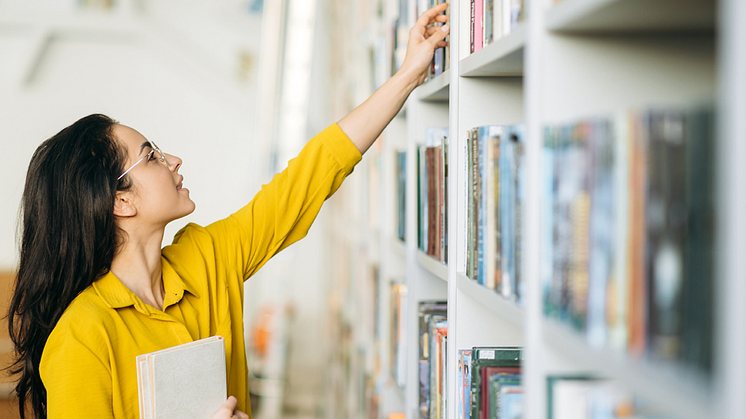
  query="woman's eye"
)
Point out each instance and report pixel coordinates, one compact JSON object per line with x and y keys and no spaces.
{"x":151,"y":157}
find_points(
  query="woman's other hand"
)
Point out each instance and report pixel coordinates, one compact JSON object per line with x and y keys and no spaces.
{"x":424,"y":40}
{"x":228,"y":410}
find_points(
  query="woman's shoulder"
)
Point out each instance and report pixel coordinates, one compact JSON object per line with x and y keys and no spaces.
{"x":87,"y":313}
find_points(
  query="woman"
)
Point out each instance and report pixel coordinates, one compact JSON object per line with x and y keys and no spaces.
{"x":94,"y":287}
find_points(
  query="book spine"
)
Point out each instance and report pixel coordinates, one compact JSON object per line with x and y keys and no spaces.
{"x":431,"y":200}
{"x":471,"y":27}
{"x":481,"y":203}
{"x":478,"y":32}
{"x":497,"y":229}
{"x":636,"y":292}
{"x":474,"y":215}
{"x":439,"y":202}
{"x":444,"y":208}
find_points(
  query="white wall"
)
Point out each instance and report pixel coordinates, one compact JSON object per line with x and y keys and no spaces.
{"x":194,"y":102}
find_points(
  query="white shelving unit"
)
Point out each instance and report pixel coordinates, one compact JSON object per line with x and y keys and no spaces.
{"x":573,"y":60}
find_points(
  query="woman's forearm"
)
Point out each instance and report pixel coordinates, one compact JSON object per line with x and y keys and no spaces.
{"x":366,"y":122}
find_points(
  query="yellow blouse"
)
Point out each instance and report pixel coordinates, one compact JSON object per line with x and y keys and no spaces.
{"x":88,"y":364}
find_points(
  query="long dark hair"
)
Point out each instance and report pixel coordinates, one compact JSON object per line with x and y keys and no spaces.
{"x":68,"y":239}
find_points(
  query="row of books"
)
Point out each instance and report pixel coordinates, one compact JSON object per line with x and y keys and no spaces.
{"x":489,"y":383}
{"x":628,"y":231}
{"x":594,"y":398}
{"x":432,"y":208}
{"x":494,"y":173}
{"x":433,"y":338}
{"x":492,"y":20}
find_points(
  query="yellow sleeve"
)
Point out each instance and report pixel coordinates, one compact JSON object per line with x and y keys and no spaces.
{"x":283,"y":211}
{"x":78,"y":382}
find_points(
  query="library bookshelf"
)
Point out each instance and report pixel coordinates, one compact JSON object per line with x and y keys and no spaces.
{"x":566,"y":61}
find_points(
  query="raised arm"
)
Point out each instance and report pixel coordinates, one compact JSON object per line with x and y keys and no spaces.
{"x":366,"y":122}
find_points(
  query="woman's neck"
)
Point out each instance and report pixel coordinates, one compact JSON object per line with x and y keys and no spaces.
{"x":138,"y":265}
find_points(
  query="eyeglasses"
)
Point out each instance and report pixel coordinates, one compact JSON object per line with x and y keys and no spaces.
{"x":154,"y":149}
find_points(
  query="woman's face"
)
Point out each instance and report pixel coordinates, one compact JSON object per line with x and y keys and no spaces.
{"x":157,"y":192}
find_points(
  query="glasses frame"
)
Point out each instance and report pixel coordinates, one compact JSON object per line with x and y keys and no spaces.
{"x":154,"y":148}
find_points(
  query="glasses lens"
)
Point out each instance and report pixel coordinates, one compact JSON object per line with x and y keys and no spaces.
{"x":160,"y":153}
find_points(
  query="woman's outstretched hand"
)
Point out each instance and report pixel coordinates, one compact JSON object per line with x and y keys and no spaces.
{"x":228,"y":410}
{"x":366,"y":122}
{"x":423,"y":41}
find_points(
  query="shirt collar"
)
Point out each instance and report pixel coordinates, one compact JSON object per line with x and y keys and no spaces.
{"x":116,"y":295}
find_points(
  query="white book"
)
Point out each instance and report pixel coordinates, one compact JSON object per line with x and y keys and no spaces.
{"x":185,"y":381}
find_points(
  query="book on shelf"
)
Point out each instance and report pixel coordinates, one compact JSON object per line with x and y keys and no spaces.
{"x":493,"y":368}
{"x":185,"y":381}
{"x":464,"y":383}
{"x":433,"y":194}
{"x":432,"y":316}
{"x":397,"y":329}
{"x":401,"y":194}
{"x":495,"y":162}
{"x":627,"y":232}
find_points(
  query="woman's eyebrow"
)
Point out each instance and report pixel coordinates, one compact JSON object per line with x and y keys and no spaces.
{"x":143,"y":145}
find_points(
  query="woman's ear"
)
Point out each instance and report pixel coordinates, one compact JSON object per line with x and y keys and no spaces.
{"x":123,"y":205}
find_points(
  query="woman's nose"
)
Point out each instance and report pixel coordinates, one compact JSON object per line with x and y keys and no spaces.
{"x":175,"y":162}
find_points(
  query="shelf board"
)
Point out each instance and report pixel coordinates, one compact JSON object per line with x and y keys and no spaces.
{"x":435,"y":90}
{"x":491,"y":300}
{"x":503,"y":57}
{"x":432,"y":265}
{"x":631,"y":15}
{"x":677,"y":392}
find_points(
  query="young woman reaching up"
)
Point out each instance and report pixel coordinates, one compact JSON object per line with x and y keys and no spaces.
{"x":95,"y":289}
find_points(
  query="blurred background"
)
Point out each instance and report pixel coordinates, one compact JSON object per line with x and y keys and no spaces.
{"x":202,"y":79}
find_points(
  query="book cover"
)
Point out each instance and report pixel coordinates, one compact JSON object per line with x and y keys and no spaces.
{"x":184,"y":381}
{"x":488,"y":357}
